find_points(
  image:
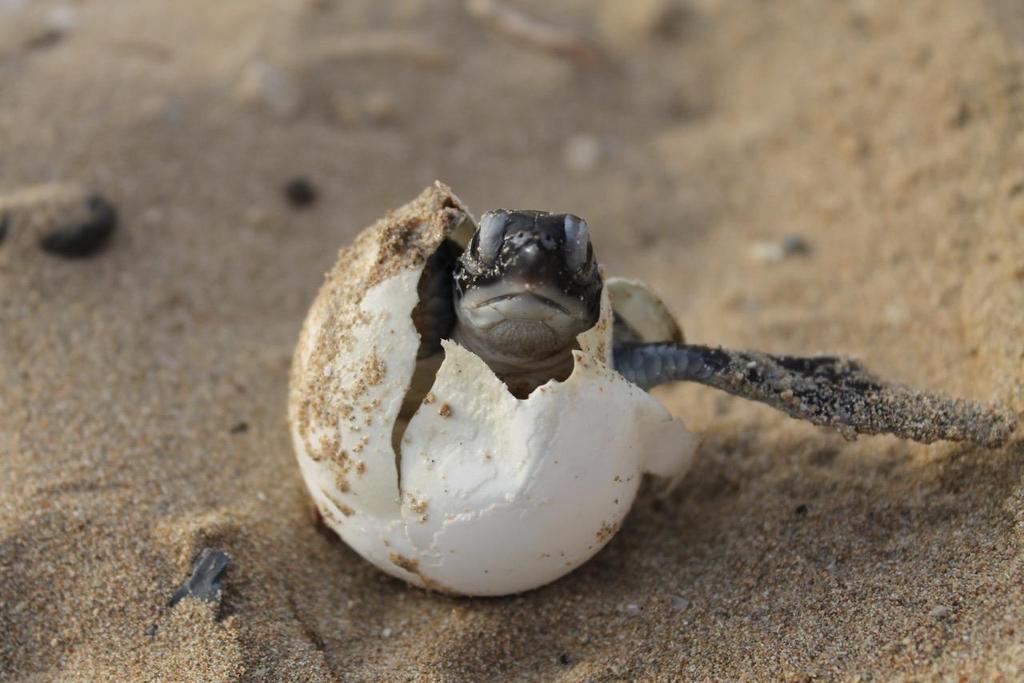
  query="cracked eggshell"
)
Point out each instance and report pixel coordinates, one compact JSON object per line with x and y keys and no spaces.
{"x":497,"y":494}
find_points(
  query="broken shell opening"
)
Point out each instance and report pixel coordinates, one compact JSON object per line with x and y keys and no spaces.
{"x":434,"y":319}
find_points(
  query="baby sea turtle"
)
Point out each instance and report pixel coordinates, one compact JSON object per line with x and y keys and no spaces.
{"x":470,"y":415}
{"x":528,"y":283}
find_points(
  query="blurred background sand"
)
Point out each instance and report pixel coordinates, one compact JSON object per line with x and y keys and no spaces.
{"x":142,"y":390}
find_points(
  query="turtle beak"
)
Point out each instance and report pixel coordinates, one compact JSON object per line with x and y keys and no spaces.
{"x":516,"y":299}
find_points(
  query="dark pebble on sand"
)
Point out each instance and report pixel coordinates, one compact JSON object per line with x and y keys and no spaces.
{"x":795,"y":245}
{"x":565,"y":659}
{"x":45,"y":39}
{"x":240,"y":428}
{"x":85,"y":237}
{"x":4,"y":222}
{"x":300,"y":193}
{"x":801,"y":510}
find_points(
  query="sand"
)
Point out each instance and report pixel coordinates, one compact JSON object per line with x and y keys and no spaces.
{"x":143,"y":389}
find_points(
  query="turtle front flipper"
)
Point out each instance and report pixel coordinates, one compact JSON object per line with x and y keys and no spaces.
{"x":825,"y":390}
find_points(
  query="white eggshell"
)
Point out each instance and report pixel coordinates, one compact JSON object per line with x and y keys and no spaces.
{"x":497,"y":494}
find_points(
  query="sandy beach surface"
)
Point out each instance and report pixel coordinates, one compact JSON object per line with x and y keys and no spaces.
{"x":143,"y":388}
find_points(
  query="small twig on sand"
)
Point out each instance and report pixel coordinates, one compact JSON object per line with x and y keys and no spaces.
{"x":399,"y":45}
{"x":514,"y":24}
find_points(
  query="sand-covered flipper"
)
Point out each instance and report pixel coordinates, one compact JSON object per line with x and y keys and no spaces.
{"x":826,"y":390}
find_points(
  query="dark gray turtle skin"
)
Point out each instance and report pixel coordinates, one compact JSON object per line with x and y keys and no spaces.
{"x":528,"y":283}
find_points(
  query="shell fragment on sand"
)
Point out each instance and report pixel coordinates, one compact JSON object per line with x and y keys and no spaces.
{"x":204,"y":582}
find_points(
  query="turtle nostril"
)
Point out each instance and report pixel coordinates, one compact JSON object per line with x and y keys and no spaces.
{"x":530,"y":260}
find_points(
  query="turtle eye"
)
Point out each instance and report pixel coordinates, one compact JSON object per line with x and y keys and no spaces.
{"x":577,"y":242}
{"x":491,"y":235}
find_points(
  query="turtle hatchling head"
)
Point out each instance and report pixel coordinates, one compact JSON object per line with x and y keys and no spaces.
{"x":527,"y":284}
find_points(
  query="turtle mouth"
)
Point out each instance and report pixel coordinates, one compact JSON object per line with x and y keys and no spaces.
{"x":529,"y":299}
{"x":488,"y":306}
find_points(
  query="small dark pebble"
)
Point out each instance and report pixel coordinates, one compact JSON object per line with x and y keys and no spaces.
{"x":151,"y":631}
{"x":300,"y":193}
{"x":45,"y":39}
{"x":240,"y":428}
{"x":86,"y":237}
{"x":801,"y":510}
{"x":961,"y":116}
{"x":5,"y":220}
{"x":204,"y":583}
{"x":795,"y":245}
{"x":565,"y":659}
